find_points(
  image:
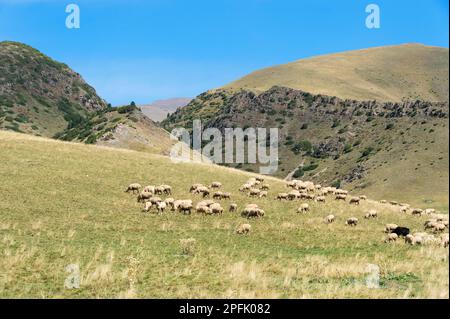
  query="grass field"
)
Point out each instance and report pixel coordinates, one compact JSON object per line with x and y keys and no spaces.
{"x":63,"y":203}
{"x":389,"y":73}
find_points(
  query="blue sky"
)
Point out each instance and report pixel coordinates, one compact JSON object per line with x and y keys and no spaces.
{"x":146,"y":50}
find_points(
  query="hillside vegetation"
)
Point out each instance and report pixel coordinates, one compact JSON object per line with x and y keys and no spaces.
{"x":392,"y":151}
{"x":64,"y":203}
{"x":41,"y":96}
{"x":391,"y":73}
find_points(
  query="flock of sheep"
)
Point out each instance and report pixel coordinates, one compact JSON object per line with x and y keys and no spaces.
{"x":255,"y":187}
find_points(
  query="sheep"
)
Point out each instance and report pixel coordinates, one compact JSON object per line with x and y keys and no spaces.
{"x":207,"y":203}
{"x":393,"y":203}
{"x":245,"y":187}
{"x":167,"y":189}
{"x":363,"y":197}
{"x":307,"y":196}
{"x":217,"y":195}
{"x":149,"y":189}
{"x":430,"y":211}
{"x":203,"y":210}
{"x":147,"y":206}
{"x":320,"y":199}
{"x":330,"y":219}
{"x":391,"y":238}
{"x":194,"y":187}
{"x":352,"y":221}
{"x":216,"y":209}
{"x":135,"y":187}
{"x":260,"y":179}
{"x":390,"y":227}
{"x":263,"y":194}
{"x":383,"y":201}
{"x":265,"y":187}
{"x":254,"y":192}
{"x":438,"y":227}
{"x":169,"y":202}
{"x":216,"y":185}
{"x":401,"y":231}
{"x":159,"y":190}
{"x":183,"y":206}
{"x":243,"y":229}
{"x":429,"y":224}
{"x":203,"y":190}
{"x":403,"y":209}
{"x":410,"y":239}
{"x":143,"y":196}
{"x":282,"y":196}
{"x":293,"y":194}
{"x":233,"y":208}
{"x":161,"y":206}
{"x":444,"y":240}
{"x":371,"y":214}
{"x":341,"y":197}
{"x":417,"y":211}
{"x":303,"y":208}
{"x":354,"y":200}
{"x":252,"y":210}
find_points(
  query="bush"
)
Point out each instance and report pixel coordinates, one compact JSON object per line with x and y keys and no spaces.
{"x":299,"y":173}
{"x":305,"y":146}
{"x":390,"y":126}
{"x":336,"y":184}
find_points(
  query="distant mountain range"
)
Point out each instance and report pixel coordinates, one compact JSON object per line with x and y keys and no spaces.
{"x":158,"y":110}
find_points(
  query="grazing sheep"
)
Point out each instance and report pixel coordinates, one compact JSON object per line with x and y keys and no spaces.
{"x":391,"y":238}
{"x":417,"y":211}
{"x":135,"y":187}
{"x":252,"y":211}
{"x":169,"y":202}
{"x":161,"y":206}
{"x":203,"y":190}
{"x":383,"y":201}
{"x":254,"y":192}
{"x":341,"y":197}
{"x":260,"y":179}
{"x":265,"y":187}
{"x":245,"y":187}
{"x":149,"y":189}
{"x":216,"y":185}
{"x":304,"y":208}
{"x":143,"y":196}
{"x":401,"y":231}
{"x":282,"y":196}
{"x":293,"y":194}
{"x":444,"y":240}
{"x":320,"y":199}
{"x":403,"y":209}
{"x":194,"y":187}
{"x":203,"y":210}
{"x":183,"y":206}
{"x":217,"y":195}
{"x":352,"y":221}
{"x":410,"y":239}
{"x":243,"y":229}
{"x":390,"y":227}
{"x":159,"y":190}
{"x":439,"y":227}
{"x":233,"y":208}
{"x":167,"y":189}
{"x":354,"y":200}
{"x":330,"y":219}
{"x":363,"y":197}
{"x":307,"y":196}
{"x":393,"y":203}
{"x":147,"y":206}
{"x":216,"y":209}
{"x":371,"y":214}
{"x":430,"y":211}
{"x":263,"y":194}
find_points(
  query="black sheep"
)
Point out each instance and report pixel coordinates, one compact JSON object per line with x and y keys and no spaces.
{"x":401,"y":231}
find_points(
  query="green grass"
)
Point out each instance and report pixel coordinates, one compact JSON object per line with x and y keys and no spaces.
{"x":63,"y":203}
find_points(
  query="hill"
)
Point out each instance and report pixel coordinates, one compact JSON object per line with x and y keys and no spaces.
{"x":158,"y":110}
{"x":41,"y":96}
{"x":358,"y":145}
{"x":391,"y":73}
{"x":64,"y":204}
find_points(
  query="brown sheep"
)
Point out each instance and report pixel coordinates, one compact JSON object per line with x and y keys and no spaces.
{"x":341,"y":197}
{"x":243,"y":229}
{"x":282,"y":196}
{"x":233,"y":208}
{"x":216,"y":185}
{"x":135,"y":187}
{"x":354,"y":200}
{"x":352,"y":221}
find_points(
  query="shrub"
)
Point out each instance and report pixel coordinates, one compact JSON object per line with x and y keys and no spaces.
{"x":390,"y":126}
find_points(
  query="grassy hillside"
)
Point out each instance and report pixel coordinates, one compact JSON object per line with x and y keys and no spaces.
{"x":123,"y":127}
{"x":41,"y":96}
{"x":392,"y":73}
{"x":64,"y":203}
{"x":386,"y":150}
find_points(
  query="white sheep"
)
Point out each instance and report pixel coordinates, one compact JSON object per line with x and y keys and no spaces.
{"x":216,"y":185}
{"x":330,"y":219}
{"x":371,"y":214}
{"x":233,"y":208}
{"x":134,"y":187}
{"x":216,"y":209}
{"x":320,"y":199}
{"x":161,"y":206}
{"x":304,"y":208}
{"x":389,"y":228}
{"x":243,"y":229}
{"x":354,"y":200}
{"x":391,"y":237}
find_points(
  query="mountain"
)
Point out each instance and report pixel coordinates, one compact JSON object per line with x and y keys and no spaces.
{"x":358,"y":144}
{"x":390,"y":73}
{"x":158,"y":110}
{"x":64,"y":203}
{"x":39,"y":95}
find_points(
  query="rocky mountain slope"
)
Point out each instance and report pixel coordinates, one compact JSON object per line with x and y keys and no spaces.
{"x":348,"y":143}
{"x":39,"y":95}
{"x":158,"y":110}
{"x":390,"y":73}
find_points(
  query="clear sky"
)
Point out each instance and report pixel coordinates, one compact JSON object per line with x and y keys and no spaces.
{"x":146,"y":50}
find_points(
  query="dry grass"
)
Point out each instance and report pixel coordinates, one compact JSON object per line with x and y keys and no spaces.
{"x":63,"y":203}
